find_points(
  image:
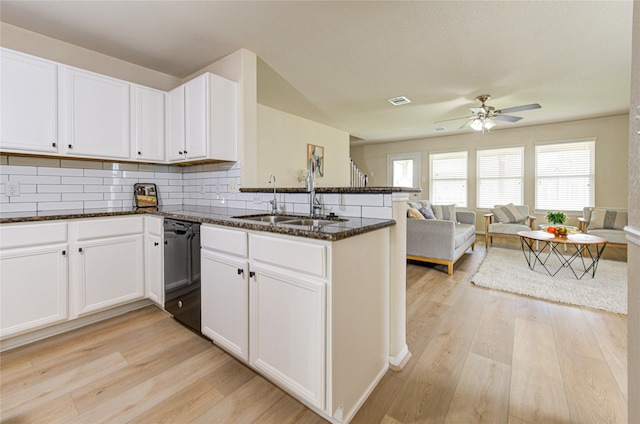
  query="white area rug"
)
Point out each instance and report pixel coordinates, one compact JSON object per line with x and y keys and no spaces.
{"x":507,"y":270}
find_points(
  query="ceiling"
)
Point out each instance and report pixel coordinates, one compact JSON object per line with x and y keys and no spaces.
{"x":337,"y":62}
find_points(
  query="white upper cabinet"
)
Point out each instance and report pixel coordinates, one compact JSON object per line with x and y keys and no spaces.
{"x":95,"y":115}
{"x":202,"y":120}
{"x":175,"y":124}
{"x":29,"y":96}
{"x":147,"y":124}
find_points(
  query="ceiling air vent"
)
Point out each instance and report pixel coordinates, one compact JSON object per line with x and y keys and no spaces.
{"x":397,"y":101}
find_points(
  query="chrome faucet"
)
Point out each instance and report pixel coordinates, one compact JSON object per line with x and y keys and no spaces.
{"x":274,"y":202}
{"x":311,"y":188}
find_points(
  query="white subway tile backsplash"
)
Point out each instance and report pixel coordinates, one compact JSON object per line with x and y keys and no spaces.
{"x":88,"y":185}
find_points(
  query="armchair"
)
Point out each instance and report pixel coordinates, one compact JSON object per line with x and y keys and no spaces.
{"x":605,"y":222}
{"x":506,"y":221}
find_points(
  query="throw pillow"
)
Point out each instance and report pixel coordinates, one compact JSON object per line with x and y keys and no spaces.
{"x":607,"y":219}
{"x":507,"y":214}
{"x":445,"y":212}
{"x":427,"y":211}
{"x":414,"y":213}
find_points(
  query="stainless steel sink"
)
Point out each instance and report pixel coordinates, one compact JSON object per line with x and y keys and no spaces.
{"x":266,"y":218}
{"x":290,"y":220}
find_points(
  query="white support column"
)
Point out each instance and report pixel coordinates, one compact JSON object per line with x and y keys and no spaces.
{"x":399,"y":353}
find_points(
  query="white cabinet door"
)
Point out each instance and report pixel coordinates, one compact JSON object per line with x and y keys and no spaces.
{"x":288,"y":332}
{"x":95,"y":114}
{"x":147,"y":124}
{"x":111,"y":272}
{"x":29,"y":98}
{"x":223,"y":118}
{"x":175,"y":124}
{"x":153,"y":263}
{"x":196,"y":108}
{"x":33,"y":283}
{"x":225,"y":302}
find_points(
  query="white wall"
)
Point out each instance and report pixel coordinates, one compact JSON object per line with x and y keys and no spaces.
{"x":611,"y":156}
{"x":282,"y":149}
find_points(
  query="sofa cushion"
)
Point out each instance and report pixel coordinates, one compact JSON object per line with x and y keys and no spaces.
{"x":607,"y":219}
{"x":502,"y":228}
{"x":463,"y":233}
{"x":612,"y":236}
{"x":414,"y":213}
{"x":507,"y":214}
{"x":444,"y":212}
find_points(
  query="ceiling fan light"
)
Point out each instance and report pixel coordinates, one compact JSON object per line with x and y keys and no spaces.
{"x":489,"y":123}
{"x":476,"y":124}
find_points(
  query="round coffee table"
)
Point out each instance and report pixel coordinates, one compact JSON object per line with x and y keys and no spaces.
{"x":585,"y":247}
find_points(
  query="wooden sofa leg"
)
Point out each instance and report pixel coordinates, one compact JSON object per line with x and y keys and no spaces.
{"x":450,"y":268}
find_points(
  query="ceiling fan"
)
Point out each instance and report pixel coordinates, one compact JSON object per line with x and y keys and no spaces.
{"x":483,"y":118}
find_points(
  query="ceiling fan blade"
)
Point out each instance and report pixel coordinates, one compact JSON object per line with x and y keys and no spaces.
{"x":452,"y":119}
{"x":507,"y":118}
{"x":466,"y":124}
{"x":519,"y":108}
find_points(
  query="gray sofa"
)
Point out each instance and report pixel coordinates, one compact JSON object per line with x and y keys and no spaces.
{"x":441,"y":242}
{"x":610,"y":226}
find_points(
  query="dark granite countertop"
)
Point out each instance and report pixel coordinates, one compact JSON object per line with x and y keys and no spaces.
{"x":345,"y":190}
{"x":343,"y":227}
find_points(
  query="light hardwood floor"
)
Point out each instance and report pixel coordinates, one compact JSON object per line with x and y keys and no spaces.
{"x":479,"y":356}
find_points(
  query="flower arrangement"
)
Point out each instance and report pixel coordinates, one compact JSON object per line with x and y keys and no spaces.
{"x":556,"y":218}
{"x":302,"y":175}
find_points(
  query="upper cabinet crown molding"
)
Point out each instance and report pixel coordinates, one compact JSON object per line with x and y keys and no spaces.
{"x":57,"y":110}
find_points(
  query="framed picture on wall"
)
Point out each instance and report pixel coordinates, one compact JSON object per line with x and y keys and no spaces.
{"x":146,"y":195}
{"x":316,"y":155}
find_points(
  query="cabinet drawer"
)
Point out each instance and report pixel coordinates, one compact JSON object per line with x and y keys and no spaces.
{"x":307,"y":258}
{"x":224,"y":240}
{"x":21,"y":235}
{"x":110,"y":227}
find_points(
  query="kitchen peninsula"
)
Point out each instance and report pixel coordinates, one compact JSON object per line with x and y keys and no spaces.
{"x":314,"y":300}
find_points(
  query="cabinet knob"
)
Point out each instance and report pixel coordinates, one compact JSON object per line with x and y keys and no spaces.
{"x":240,"y":271}
{"x":53,"y":144}
{"x":80,"y":250}
{"x":64,"y":253}
{"x":179,"y":153}
{"x":70,"y":146}
{"x":155,"y":243}
{"x":252,"y":274}
{"x":185,"y":152}
{"x":139,"y":153}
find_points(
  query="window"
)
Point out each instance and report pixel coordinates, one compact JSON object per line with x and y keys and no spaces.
{"x":500,"y":176}
{"x":448,"y":178}
{"x":565,"y":175}
{"x":404,"y":170}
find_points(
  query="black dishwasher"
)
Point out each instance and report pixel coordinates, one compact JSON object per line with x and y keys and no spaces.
{"x":182,"y":271}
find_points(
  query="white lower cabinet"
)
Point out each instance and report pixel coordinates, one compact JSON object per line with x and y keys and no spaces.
{"x":108,"y":260}
{"x":225,"y":292}
{"x":154,"y":259}
{"x":33,"y":277}
{"x":288,"y":319}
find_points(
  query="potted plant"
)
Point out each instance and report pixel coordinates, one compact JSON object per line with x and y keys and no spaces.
{"x":556,"y":218}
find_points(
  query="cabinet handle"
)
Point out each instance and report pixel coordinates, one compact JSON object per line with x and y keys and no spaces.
{"x":155,"y":243}
{"x":252,"y":274}
{"x":240,"y":271}
{"x":64,"y":253}
{"x":80,"y":250}
{"x":53,"y":144}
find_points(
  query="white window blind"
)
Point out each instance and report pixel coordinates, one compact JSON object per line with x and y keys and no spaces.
{"x":500,"y":176}
{"x":565,"y":175}
{"x":448,"y":178}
